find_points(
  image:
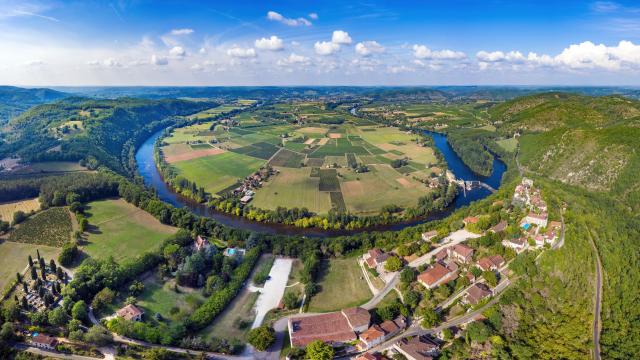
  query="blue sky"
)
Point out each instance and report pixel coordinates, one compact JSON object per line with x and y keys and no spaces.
{"x":140,"y":42}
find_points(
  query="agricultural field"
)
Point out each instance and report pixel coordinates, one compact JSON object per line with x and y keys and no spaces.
{"x":340,"y":276}
{"x":509,"y":144}
{"x":50,"y":167}
{"x":14,"y":258}
{"x":51,"y":227}
{"x":119,"y":229}
{"x":315,"y":158}
{"x":27,"y":206}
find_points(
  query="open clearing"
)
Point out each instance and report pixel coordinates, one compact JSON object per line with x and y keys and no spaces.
{"x":218,"y":172}
{"x":159,"y":296}
{"x":7,"y":209}
{"x":293,"y":188}
{"x":189,"y":155}
{"x":509,"y":144}
{"x":14,"y":258}
{"x":121,"y":230}
{"x":341,"y":285}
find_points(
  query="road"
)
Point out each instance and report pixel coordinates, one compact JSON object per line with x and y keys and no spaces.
{"x":597,"y":302}
{"x":54,"y":354}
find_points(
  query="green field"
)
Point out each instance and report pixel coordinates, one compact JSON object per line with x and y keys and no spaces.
{"x":121,"y":230}
{"x":218,"y":172}
{"x":14,"y":258}
{"x":160,"y":296}
{"x":51,"y":227}
{"x":509,"y":144}
{"x":293,"y":188}
{"x":341,"y":286}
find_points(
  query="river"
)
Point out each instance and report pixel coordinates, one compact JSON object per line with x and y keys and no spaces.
{"x":149,"y":172}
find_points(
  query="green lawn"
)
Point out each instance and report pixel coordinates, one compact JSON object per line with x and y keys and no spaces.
{"x":121,"y":230}
{"x":509,"y":144}
{"x":218,"y":172}
{"x":14,"y":258}
{"x":161,"y":297}
{"x":342,"y":285}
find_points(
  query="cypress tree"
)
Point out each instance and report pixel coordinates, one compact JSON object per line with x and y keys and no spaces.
{"x":30,"y":261}
{"x":34,"y":274}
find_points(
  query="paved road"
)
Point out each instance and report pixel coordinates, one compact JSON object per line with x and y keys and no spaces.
{"x":598,"y":301}
{"x":54,"y":354}
{"x":375,"y":300}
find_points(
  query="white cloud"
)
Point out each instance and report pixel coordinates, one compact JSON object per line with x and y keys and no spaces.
{"x":400,"y":69}
{"x":109,"y":63}
{"x":313,"y":16}
{"x":326,"y":47}
{"x":341,"y":37}
{"x":159,"y":60}
{"x":423,"y":52}
{"x":588,"y":55}
{"x":36,"y":62}
{"x":177,"y":52}
{"x":274,"y":16}
{"x":237,"y":52}
{"x":367,"y":48}
{"x":494,"y":56}
{"x":202,"y":50}
{"x":293,"y":59}
{"x":179,"y":32}
{"x":273,"y":43}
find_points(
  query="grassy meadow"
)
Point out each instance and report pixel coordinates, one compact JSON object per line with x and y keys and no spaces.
{"x":14,"y":258}
{"x":341,"y":285}
{"x":8,"y":209}
{"x":121,"y":230}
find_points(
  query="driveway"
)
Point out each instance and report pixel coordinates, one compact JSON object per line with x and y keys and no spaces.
{"x":273,"y":290}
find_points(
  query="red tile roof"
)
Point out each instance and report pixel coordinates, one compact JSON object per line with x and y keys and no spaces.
{"x":477,"y":292}
{"x":129,"y":312}
{"x":463,"y":250}
{"x":45,"y":340}
{"x":357,"y":316}
{"x":433,"y":274}
{"x":420,"y":348}
{"x":371,"y":334}
{"x":488,"y":262}
{"x":470,"y":220}
{"x":499,"y":227}
{"x":331,"y":327}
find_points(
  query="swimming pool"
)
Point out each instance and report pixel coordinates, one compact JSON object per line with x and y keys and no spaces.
{"x":526,"y":226}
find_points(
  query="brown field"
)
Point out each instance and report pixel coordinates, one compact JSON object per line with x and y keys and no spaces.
{"x":404,"y":182}
{"x":312,"y":130}
{"x":195,"y":154}
{"x":335,"y":136}
{"x":7,"y":209}
{"x":309,"y":141}
{"x":323,"y":141}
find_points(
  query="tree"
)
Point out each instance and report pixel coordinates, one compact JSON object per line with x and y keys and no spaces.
{"x":393,"y":264}
{"x":79,"y":311}
{"x":18,"y":217}
{"x":490,"y":277}
{"x":58,"y":317}
{"x":8,"y":331}
{"x":68,"y":254}
{"x":261,"y":337}
{"x":136,"y":288}
{"x":98,"y":336}
{"x":34,"y":273}
{"x":157,"y":354}
{"x":408,"y":275}
{"x":102,"y":298}
{"x":429,"y":318}
{"x":52,"y":266}
{"x":478,"y":331}
{"x":30,"y":261}
{"x":318,"y":350}
{"x":290,"y":300}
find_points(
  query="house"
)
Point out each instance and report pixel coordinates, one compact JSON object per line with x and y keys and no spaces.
{"x":375,"y":258}
{"x":332,"y":328}
{"x":417,"y":348}
{"x":499,"y":227}
{"x":442,"y":255}
{"x":540,"y":240}
{"x":369,"y":356}
{"x":427,"y":236}
{"x":461,"y":253}
{"x":518,"y":244}
{"x":201,"y":243}
{"x":371,"y":337}
{"x":470,"y":220}
{"x":476,"y":293}
{"x":42,"y":341}
{"x":392,"y":327}
{"x":469,"y":275}
{"x":538,"y":219}
{"x":490,"y":263}
{"x":358,"y":318}
{"x":436,"y":275}
{"x":130,"y":313}
{"x":245,"y":199}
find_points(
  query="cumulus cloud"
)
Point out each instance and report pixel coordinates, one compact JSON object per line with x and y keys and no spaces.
{"x":423,"y":52}
{"x":237,"y":52}
{"x":341,"y":37}
{"x":326,"y":47}
{"x":177,"y":52}
{"x":294,"y":59}
{"x":400,"y":69}
{"x":274,"y":16}
{"x":273,"y":43}
{"x":159,"y":60}
{"x":179,"y":32}
{"x":36,"y":62}
{"x":313,"y":16}
{"x":367,"y":48}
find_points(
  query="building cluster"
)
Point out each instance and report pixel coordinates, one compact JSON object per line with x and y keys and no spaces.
{"x":535,"y":225}
{"x":375,"y":259}
{"x":411,"y":348}
{"x":252,"y":182}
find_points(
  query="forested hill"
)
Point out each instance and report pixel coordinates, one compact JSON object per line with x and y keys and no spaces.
{"x":95,"y":131}
{"x":585,"y":152}
{"x":14,"y":100}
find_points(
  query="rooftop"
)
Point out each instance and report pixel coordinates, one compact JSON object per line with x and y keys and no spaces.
{"x":331,"y":327}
